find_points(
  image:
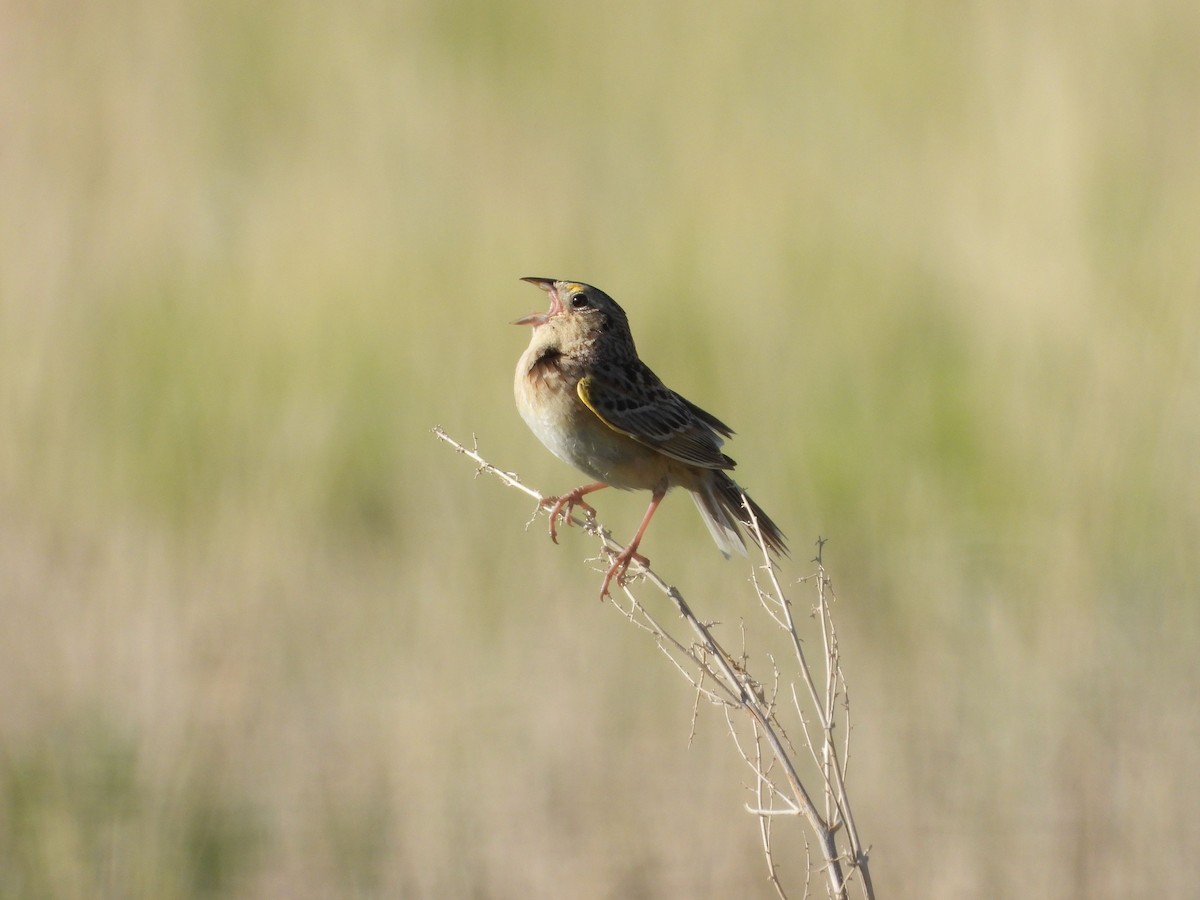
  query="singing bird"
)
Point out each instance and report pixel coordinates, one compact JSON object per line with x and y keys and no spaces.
{"x":583,"y":390}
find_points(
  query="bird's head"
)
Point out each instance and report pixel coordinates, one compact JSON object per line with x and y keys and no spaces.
{"x":579,"y":313}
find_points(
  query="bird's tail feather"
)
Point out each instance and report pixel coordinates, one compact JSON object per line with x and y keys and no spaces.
{"x":719,"y":500}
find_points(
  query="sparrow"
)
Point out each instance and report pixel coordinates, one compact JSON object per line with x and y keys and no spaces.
{"x":583,"y":390}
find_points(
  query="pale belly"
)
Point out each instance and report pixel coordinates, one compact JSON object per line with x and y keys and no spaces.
{"x":576,"y":435}
{"x":579,"y":438}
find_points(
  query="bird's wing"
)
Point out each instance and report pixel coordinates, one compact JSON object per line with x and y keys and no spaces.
{"x":636,"y":403}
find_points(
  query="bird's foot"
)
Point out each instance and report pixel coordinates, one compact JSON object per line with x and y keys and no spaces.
{"x":620,"y":567}
{"x":562,"y":507}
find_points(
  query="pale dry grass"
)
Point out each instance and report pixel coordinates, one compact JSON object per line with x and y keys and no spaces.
{"x":935,"y":263}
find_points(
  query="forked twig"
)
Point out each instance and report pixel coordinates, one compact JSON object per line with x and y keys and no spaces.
{"x":725,"y":680}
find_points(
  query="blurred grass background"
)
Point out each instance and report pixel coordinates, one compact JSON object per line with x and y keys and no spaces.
{"x":261,"y":636}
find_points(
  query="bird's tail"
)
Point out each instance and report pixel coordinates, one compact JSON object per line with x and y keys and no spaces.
{"x":719,"y":500}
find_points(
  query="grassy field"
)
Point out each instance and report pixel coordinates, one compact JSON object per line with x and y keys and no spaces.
{"x":262,"y":636}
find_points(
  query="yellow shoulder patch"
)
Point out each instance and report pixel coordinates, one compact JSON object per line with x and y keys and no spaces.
{"x":582,"y":389}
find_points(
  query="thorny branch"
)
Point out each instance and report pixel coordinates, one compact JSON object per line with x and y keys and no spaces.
{"x":725,"y":680}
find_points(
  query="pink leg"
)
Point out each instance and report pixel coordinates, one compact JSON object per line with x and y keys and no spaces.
{"x":570,"y":501}
{"x":621,"y":563}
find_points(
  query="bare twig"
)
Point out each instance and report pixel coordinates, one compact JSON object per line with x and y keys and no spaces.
{"x":724,"y":680}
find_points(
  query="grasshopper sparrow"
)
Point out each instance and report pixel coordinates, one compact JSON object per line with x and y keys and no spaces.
{"x":584,"y":392}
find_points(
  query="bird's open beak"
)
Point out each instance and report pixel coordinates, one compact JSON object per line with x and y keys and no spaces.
{"x":536,"y":319}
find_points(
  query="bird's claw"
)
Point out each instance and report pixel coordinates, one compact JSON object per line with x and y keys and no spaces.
{"x":557,"y":511}
{"x":620,"y":569}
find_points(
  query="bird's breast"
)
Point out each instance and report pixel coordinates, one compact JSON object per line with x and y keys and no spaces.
{"x":547,"y":399}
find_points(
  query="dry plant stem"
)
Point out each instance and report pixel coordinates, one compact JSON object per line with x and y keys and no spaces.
{"x":832,"y":764}
{"x":722,"y":680}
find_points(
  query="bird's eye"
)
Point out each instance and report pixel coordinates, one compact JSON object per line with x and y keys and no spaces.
{"x":579,"y":301}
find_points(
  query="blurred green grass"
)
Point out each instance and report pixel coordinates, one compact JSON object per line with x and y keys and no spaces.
{"x":261,"y":636}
